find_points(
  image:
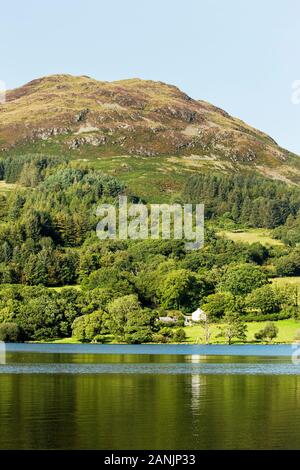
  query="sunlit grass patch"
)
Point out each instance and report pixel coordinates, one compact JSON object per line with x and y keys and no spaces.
{"x":250,"y":236}
{"x":288,"y":331}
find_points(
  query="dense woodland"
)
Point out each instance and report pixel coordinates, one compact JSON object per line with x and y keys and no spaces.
{"x":250,"y":200}
{"x":58,"y":279}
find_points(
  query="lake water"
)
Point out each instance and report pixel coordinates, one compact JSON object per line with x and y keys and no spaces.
{"x":149,"y":397}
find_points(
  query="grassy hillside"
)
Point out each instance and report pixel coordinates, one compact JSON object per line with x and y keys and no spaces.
{"x":149,"y":134}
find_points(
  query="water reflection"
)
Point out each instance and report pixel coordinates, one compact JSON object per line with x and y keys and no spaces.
{"x":193,"y":409}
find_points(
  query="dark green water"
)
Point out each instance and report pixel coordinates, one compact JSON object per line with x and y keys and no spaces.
{"x":53,"y":400}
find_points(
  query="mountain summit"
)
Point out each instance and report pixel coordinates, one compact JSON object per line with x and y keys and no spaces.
{"x":139,"y":118}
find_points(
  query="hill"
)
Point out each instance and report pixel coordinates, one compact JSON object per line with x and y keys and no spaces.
{"x":136,"y":129}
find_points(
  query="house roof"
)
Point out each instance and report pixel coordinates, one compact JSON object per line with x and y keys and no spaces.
{"x":199,"y":310}
{"x":167,"y":319}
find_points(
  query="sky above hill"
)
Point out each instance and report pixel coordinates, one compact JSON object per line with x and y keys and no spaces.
{"x":243,"y":56}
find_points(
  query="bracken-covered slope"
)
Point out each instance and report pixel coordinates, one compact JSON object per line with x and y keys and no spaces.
{"x":136,"y":117}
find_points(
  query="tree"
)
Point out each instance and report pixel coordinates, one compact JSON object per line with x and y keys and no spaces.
{"x":215,"y":305}
{"x":16,"y":205}
{"x":138,"y":334}
{"x":242,"y":278}
{"x":289,"y":265}
{"x":120,"y":310}
{"x":269,"y":332}
{"x":87,"y":327}
{"x":258,"y":253}
{"x":182,"y":289}
{"x":69,"y":302}
{"x":35,"y":270}
{"x":110,"y":278}
{"x":129,"y":322}
{"x":206,"y":325}
{"x":34,"y":224}
{"x":264,"y":299}
{"x":6,"y":274}
{"x":88,"y":263}
{"x":29,"y":175}
{"x":140,"y":325}
{"x":178,"y":335}
{"x":67,"y":267}
{"x":10,"y":333}
{"x":164,"y":335}
{"x":233,"y":328}
{"x":96,"y":299}
{"x":42,"y":314}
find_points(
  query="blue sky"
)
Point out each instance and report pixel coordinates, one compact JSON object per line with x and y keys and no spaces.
{"x":240,"y":55}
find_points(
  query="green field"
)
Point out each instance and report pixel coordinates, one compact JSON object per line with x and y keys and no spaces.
{"x":262,"y":236}
{"x":62,"y":341}
{"x":287,"y":281}
{"x":289,"y":330}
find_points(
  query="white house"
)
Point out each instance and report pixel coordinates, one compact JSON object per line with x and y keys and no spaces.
{"x":198,"y":315}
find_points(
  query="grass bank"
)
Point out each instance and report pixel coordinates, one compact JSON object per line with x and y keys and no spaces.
{"x":288,"y":331}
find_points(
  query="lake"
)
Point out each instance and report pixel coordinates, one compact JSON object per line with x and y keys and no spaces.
{"x":149,"y":397}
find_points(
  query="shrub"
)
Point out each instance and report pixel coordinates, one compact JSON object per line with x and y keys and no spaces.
{"x":101,"y":338}
{"x":159,"y":338}
{"x":10,"y":333}
{"x":139,"y":336}
{"x":179,"y":335}
{"x":269,"y":332}
{"x":87,"y":327}
{"x":284,"y":315}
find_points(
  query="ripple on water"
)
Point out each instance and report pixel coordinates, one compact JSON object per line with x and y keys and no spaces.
{"x":146,"y":368}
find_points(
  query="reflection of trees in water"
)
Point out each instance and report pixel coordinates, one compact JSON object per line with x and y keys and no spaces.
{"x":240,"y":411}
{"x":155,"y":411}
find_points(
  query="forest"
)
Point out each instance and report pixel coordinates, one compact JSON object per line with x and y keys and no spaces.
{"x":58,"y":280}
